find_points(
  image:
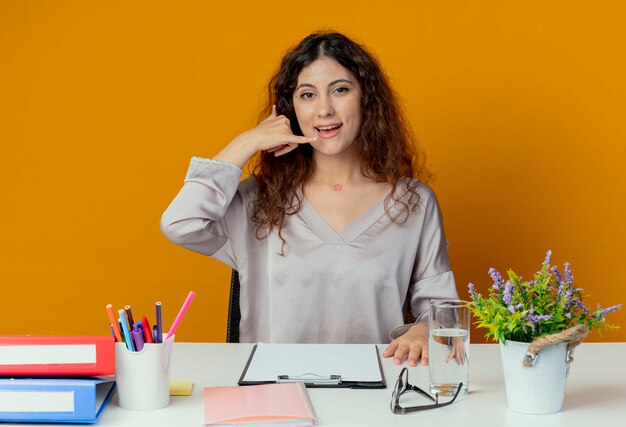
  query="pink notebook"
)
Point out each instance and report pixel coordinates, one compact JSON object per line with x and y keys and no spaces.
{"x":285,"y":404}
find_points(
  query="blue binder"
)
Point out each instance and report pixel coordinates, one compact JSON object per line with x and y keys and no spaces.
{"x":54,"y":400}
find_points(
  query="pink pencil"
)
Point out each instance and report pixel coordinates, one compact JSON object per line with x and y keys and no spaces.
{"x":181,"y":314}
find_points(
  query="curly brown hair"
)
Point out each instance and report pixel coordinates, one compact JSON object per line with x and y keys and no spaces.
{"x":384,"y":142}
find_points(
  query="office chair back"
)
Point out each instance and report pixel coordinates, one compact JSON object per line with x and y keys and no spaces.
{"x":234,"y":312}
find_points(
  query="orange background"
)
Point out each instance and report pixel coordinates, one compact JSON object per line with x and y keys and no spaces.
{"x":520,"y":105}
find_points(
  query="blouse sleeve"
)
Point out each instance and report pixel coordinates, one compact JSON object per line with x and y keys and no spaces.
{"x":199,"y":216}
{"x":432,"y":277}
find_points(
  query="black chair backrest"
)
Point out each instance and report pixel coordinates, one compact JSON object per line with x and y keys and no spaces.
{"x":406,"y":312}
{"x":234,"y":313}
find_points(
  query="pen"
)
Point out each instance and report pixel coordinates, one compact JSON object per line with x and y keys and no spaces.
{"x":137,"y":335}
{"x":154,"y":333}
{"x":181,"y":314}
{"x":127,"y":338}
{"x":119,"y":325}
{"x":114,"y":325}
{"x":147,"y":330}
{"x":129,"y":313}
{"x":159,"y":324}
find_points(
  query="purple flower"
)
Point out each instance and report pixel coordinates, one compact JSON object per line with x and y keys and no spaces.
{"x":568,"y":298}
{"x":557,"y":274}
{"x":507,"y":294}
{"x":568,"y":274}
{"x":472,"y":290}
{"x":511,"y":308}
{"x":548,"y":258}
{"x":538,"y":317}
{"x":534,"y":318}
{"x":560,"y":291}
{"x":579,"y":304}
{"x":604,"y":312}
{"x":497,"y":279}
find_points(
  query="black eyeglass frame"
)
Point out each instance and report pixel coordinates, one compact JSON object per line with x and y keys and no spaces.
{"x":402,"y":386}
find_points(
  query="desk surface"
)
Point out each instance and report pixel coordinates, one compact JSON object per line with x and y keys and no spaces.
{"x":596,"y":392}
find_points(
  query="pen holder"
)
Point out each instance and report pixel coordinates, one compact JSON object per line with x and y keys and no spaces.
{"x":143,"y":377}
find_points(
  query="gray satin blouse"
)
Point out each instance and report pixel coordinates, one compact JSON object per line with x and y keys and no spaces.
{"x":329,"y":287}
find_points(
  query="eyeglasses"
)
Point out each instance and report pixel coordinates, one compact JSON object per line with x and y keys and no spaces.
{"x":402,"y":386}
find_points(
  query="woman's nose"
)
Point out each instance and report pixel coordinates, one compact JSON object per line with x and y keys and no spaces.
{"x":325,"y":107}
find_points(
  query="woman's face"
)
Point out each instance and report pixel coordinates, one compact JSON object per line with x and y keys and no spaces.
{"x":327,"y":102}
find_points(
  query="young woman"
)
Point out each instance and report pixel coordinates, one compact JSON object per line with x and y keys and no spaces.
{"x":333,"y":233}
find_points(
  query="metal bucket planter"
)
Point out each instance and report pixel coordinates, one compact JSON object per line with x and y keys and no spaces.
{"x":535,"y":374}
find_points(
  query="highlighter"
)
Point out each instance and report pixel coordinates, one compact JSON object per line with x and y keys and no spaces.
{"x":137,"y":335}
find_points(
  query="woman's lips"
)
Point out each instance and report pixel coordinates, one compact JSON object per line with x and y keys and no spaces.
{"x":329,"y":131}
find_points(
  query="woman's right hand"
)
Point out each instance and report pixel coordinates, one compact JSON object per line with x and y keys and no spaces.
{"x":273,"y":135}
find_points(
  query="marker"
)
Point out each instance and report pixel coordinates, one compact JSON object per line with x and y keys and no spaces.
{"x":119,"y":325}
{"x":129,"y":313}
{"x":137,"y":335}
{"x":127,"y":338}
{"x":159,"y":324}
{"x":112,"y":331}
{"x":147,"y":330}
{"x":116,"y":329}
{"x":181,"y":314}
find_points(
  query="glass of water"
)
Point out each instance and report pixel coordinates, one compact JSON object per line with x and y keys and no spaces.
{"x":448,"y":347}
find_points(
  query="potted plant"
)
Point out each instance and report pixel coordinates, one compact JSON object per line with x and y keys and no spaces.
{"x":537,"y":322}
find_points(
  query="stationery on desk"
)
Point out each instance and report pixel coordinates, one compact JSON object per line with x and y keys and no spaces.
{"x":143,"y":358}
{"x":136,"y":334}
{"x":315,"y":365}
{"x":58,"y":400}
{"x":181,"y":388}
{"x":31,"y":355}
{"x":61,"y":392}
{"x":258,"y":405}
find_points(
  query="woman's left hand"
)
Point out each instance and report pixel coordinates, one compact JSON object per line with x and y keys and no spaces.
{"x":413,"y":344}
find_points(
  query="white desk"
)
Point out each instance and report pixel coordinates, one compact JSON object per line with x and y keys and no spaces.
{"x":596,"y":392}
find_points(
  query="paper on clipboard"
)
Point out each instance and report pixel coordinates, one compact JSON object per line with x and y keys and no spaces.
{"x":352,"y":362}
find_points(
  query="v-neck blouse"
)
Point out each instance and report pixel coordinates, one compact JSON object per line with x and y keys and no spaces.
{"x":328,"y":287}
{"x":324,"y":231}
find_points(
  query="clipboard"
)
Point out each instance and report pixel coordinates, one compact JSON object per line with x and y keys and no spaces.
{"x":315,"y":365}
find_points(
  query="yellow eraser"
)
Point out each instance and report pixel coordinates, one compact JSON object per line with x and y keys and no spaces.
{"x":180,"y":388}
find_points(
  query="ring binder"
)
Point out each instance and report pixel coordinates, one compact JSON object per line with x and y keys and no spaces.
{"x":310,"y":378}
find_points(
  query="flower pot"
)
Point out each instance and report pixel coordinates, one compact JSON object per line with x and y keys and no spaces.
{"x":539,"y":389}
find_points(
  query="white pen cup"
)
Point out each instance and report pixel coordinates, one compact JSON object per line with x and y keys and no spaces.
{"x":143,"y":377}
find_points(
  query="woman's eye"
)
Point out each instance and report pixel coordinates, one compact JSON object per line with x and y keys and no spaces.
{"x":306,"y":95}
{"x":342,"y":90}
